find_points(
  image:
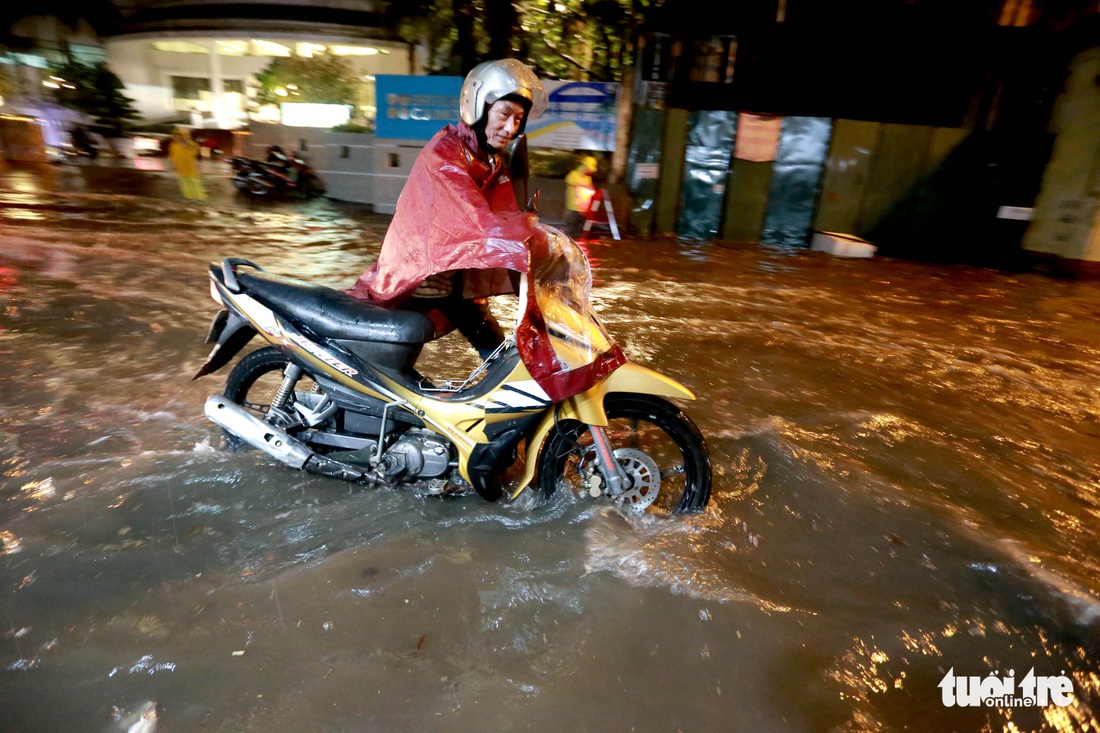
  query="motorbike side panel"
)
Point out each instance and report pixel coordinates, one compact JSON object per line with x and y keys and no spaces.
{"x":230,"y":333}
{"x":484,"y":422}
{"x":587,"y":407}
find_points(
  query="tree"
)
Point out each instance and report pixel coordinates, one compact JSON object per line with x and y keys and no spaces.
{"x":320,"y":79}
{"x":583,"y":40}
{"x":565,"y":39}
{"x":590,"y":40}
{"x":94,"y":90}
{"x":444,"y":28}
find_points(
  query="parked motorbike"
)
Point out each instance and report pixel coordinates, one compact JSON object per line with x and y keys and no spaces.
{"x":82,"y":143}
{"x":336,"y":392}
{"x":272,"y":177}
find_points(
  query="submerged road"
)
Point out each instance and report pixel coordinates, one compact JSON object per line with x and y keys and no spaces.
{"x":907,"y":488}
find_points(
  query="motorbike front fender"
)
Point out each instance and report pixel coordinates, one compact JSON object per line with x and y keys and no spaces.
{"x":587,"y":407}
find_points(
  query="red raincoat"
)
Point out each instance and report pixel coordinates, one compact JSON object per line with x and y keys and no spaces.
{"x":458,"y":211}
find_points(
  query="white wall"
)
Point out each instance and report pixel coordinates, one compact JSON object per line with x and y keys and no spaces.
{"x":1067,"y":210}
{"x":147,"y":72}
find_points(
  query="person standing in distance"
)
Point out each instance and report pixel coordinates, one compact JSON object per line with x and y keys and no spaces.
{"x":579,"y":190}
{"x":458,"y":232}
{"x":183,"y":153}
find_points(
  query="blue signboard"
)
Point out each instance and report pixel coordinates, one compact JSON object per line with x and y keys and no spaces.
{"x":580,"y":115}
{"x":415,"y":107}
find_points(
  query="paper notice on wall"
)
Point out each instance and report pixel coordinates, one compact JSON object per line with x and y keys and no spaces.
{"x":757,"y":137}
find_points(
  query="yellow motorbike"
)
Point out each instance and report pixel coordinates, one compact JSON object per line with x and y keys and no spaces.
{"x":336,"y":392}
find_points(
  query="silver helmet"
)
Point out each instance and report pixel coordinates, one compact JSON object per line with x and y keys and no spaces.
{"x":492,"y":80}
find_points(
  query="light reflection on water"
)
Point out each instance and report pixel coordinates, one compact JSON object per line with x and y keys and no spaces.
{"x":906,"y":478}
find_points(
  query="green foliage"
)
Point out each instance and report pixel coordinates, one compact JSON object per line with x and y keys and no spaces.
{"x":433,"y":24}
{"x":591,"y":40}
{"x":550,"y":163}
{"x":94,"y":90}
{"x":321,"y":79}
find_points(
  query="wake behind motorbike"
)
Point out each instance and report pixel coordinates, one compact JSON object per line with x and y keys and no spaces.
{"x":272,"y":177}
{"x":336,"y":392}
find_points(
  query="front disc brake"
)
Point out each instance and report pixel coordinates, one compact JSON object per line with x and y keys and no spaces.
{"x":644,"y":478}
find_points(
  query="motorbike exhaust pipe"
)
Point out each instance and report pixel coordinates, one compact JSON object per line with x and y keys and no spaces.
{"x":236,"y":420}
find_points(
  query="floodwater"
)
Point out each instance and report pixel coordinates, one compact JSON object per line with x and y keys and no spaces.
{"x":907,"y":485}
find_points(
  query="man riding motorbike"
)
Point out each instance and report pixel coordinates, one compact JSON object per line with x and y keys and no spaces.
{"x":565,"y":390}
{"x":458,"y":232}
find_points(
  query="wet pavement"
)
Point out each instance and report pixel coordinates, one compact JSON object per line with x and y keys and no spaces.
{"x":907,"y":487}
{"x":142,"y":176}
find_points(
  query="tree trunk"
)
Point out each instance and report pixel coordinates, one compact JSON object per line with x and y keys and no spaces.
{"x":465,"y":48}
{"x":626,"y":119}
{"x":500,"y":22}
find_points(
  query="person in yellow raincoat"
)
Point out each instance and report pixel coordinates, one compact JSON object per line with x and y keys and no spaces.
{"x":579,"y":190}
{"x":183,"y":153}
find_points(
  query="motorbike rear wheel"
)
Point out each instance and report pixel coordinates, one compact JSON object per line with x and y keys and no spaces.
{"x":311,"y":186}
{"x":638,"y":423}
{"x":253,"y":384}
{"x":256,"y":187}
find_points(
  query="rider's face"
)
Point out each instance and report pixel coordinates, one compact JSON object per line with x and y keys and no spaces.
{"x":502,"y":123}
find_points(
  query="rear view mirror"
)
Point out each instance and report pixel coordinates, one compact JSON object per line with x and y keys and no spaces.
{"x":515,"y":156}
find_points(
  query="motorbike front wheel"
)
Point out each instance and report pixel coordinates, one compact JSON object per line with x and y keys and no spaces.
{"x":253,"y":384}
{"x":645,"y":431}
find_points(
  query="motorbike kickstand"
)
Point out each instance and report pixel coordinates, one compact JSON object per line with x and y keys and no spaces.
{"x":605,"y":458}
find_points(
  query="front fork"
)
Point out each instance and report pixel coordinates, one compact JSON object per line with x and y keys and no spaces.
{"x":605,"y":457}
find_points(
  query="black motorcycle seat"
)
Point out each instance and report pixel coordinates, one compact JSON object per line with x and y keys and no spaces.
{"x":334,"y":314}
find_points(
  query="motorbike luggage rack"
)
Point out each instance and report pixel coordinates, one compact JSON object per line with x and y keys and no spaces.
{"x":449,"y":385}
{"x":229,"y":265}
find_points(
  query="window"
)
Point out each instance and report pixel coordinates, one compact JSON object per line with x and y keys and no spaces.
{"x":225,"y":47}
{"x":232,"y":48}
{"x":268,"y":48}
{"x":194,"y":87}
{"x":189,"y":87}
{"x":713,"y":59}
{"x":179,"y":47}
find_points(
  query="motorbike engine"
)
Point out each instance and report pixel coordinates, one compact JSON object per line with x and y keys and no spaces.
{"x":418,"y":454}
